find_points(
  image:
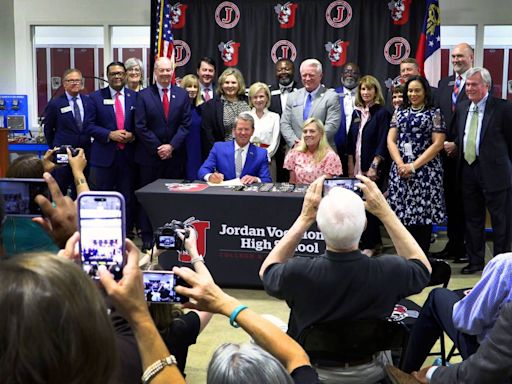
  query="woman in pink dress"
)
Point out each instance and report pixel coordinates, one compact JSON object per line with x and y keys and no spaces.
{"x":312,"y":157}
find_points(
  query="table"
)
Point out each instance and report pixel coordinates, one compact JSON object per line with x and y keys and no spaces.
{"x":236,"y":229}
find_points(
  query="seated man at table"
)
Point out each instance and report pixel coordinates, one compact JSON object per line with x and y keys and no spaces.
{"x":344,"y":283}
{"x":238,"y":158}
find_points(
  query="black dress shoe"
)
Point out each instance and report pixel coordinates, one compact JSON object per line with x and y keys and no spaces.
{"x":461,"y":260}
{"x":471,"y":268}
{"x":444,"y":254}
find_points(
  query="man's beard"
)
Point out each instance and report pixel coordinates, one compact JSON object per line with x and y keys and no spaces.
{"x":350,"y":83}
{"x":285,"y":81}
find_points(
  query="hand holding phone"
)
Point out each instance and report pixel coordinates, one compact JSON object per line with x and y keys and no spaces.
{"x":344,"y":182}
{"x":159,"y":287}
{"x":19,"y":196}
{"x":101,"y":221}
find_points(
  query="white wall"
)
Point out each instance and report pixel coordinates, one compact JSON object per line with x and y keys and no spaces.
{"x":17,"y":60}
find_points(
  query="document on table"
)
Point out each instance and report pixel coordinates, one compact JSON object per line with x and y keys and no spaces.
{"x":227,"y":183}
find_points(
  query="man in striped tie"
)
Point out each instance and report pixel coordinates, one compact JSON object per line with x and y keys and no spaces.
{"x":110,"y":123}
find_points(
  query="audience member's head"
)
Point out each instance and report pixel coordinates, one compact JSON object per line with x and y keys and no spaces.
{"x":285,"y":72}
{"x":72,"y":81}
{"x":231,"y":84}
{"x":164,"y":70}
{"x":462,"y":58}
{"x":369,"y":92}
{"x":26,"y":167}
{"x":244,"y":128}
{"x":57,"y":329}
{"x":206,"y":71}
{"x":246,"y":363}
{"x":311,"y":74}
{"x":410,"y":90}
{"x":259,"y":96}
{"x":341,"y":218}
{"x":398,"y":96}
{"x":350,"y":75}
{"x":135,"y":73}
{"x":478,"y":84}
{"x":408,"y":67}
{"x":314,"y":139}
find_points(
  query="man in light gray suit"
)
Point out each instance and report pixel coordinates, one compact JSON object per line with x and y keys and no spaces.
{"x":314,"y":100}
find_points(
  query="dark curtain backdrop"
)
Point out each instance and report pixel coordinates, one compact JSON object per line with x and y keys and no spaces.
{"x":199,"y":28}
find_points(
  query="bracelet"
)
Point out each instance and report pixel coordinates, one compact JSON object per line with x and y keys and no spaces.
{"x":413,"y":170}
{"x":155,"y":368}
{"x":196,"y":259}
{"x":80,"y":181}
{"x":234,"y":314}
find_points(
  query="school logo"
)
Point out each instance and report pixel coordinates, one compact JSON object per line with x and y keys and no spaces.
{"x":399,"y":11}
{"x":227,"y":15}
{"x":181,"y":53}
{"x":286,"y":14}
{"x":338,"y":14}
{"x":177,"y":14}
{"x":283,"y":49}
{"x":229,"y":52}
{"x":201,"y":227}
{"x":337,"y":52}
{"x":396,"y":50}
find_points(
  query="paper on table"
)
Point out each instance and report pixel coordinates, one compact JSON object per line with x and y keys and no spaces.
{"x":226,"y":183}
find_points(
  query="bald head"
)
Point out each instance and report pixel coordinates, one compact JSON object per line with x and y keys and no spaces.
{"x":462,"y":58}
{"x":163,"y":71}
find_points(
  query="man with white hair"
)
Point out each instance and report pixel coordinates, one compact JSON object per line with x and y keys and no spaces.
{"x":314,"y":100}
{"x":343,"y":283}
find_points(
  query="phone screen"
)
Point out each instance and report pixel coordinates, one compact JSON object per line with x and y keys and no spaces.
{"x":101,"y":222}
{"x":159,"y":287}
{"x":19,"y":194}
{"x":61,"y":158}
{"x":344,"y":182}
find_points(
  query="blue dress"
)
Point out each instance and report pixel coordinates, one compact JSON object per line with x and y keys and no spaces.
{"x":193,"y":145}
{"x":418,"y":200}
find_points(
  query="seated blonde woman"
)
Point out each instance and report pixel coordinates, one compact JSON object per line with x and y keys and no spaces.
{"x":312,"y":157}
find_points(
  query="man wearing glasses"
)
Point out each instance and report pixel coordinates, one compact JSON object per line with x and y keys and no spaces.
{"x":110,"y":121}
{"x":63,"y":123}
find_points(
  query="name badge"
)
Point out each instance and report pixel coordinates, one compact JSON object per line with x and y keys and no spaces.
{"x":108,"y":102}
{"x":408,"y":149}
{"x":65,"y":109}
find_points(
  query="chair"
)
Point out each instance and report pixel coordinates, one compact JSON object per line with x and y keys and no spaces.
{"x":351,"y":342}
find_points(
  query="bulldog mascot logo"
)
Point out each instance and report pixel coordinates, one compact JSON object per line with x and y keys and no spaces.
{"x":229,"y":52}
{"x":286,"y":14}
{"x":178,"y":15}
{"x":337,"y":52}
{"x":399,"y":11}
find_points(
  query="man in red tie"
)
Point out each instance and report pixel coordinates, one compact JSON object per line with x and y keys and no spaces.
{"x":162,"y":121}
{"x":110,"y":123}
{"x":451,"y":91}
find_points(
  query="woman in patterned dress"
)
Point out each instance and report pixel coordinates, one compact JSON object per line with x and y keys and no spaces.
{"x":415,"y":138}
{"x":312,"y":157}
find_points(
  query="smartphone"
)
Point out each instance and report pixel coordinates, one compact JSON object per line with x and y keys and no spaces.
{"x":344,"y":182}
{"x":19,"y":194}
{"x":101,"y":222}
{"x":159,"y":287}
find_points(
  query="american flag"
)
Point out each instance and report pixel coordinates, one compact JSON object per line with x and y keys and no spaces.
{"x":164,"y":43}
{"x":428,"y":53}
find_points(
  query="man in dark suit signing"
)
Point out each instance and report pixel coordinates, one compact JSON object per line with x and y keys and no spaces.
{"x":238,"y":158}
{"x":451,"y":91}
{"x":111,"y":123}
{"x":162,"y":121}
{"x":63,"y":124}
{"x":484,"y":142}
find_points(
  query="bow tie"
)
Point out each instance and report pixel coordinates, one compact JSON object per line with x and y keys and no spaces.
{"x":351,"y":94}
{"x":285,"y":89}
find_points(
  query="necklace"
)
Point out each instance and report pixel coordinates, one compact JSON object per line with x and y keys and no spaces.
{"x":419,"y":109}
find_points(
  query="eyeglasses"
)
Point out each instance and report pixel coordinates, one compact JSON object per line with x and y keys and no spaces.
{"x":134,"y":69}
{"x":72,"y":81}
{"x":116,"y":74}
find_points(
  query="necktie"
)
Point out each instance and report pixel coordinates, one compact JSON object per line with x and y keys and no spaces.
{"x":165,"y":102}
{"x":238,"y":162}
{"x":307,"y":107}
{"x":207,"y":94}
{"x":456,"y":90}
{"x":119,"y":117}
{"x":470,"y":152}
{"x":76,"y":113}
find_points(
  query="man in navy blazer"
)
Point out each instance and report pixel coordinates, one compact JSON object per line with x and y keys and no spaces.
{"x":162,"y":121}
{"x":237,"y":158}
{"x":110,"y":122}
{"x":63,"y":124}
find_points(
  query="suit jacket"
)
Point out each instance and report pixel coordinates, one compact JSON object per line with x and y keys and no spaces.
{"x":153,"y":130}
{"x":340,"y":139}
{"x":375,"y":134}
{"x":495,"y":142}
{"x":275,"y":98}
{"x":444,"y":94}
{"x":491,"y":364}
{"x":102,"y":120}
{"x":325,"y":106}
{"x":60,"y":127}
{"x":222,"y":159}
